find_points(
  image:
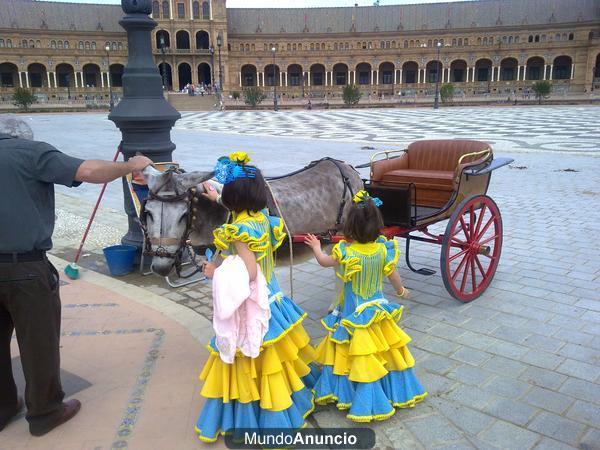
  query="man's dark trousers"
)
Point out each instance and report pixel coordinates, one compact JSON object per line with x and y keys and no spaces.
{"x":30,"y":304}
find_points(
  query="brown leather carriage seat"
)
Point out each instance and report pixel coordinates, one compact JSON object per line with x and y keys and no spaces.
{"x":433,"y":166}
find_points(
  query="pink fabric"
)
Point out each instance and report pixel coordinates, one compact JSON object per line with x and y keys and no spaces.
{"x":241,"y":310}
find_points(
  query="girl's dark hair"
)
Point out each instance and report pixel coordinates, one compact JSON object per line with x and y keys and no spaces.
{"x":246,"y":194}
{"x":364,"y":222}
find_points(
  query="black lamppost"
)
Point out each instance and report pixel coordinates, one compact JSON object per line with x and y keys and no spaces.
{"x":144,"y":117}
{"x":219,"y":45}
{"x":211,"y":50}
{"x":436,"y":101}
{"x":111,"y":103}
{"x":273,"y":49}
{"x":163,"y":70}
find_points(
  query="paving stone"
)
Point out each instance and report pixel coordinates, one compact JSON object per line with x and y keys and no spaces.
{"x":579,"y":369}
{"x":508,"y":349}
{"x":557,"y":427}
{"x":590,"y":440}
{"x":433,"y":430}
{"x":469,"y":374}
{"x":548,"y":400}
{"x":446,"y":331}
{"x":585,"y":412}
{"x":544,"y":343}
{"x":507,"y":387}
{"x":583,"y":390}
{"x":510,"y":334}
{"x":438,"y":364}
{"x":439,"y":346}
{"x":581,"y":353}
{"x":551,"y":444}
{"x":475,"y":340}
{"x":542,"y":359}
{"x":471,"y":356}
{"x":462,"y":445}
{"x":480,"y":326}
{"x":542,"y":377}
{"x":470,"y":396}
{"x":399,"y":436}
{"x":506,"y":435}
{"x":511,"y":410}
{"x":468,"y":420}
{"x":574,"y":337}
{"x":504,"y":366}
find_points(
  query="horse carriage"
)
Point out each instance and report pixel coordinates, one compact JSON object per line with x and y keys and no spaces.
{"x":428,"y":182}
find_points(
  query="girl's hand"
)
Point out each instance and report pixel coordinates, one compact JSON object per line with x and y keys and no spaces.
{"x":209,"y":191}
{"x":313,"y":242}
{"x":208,"y":268}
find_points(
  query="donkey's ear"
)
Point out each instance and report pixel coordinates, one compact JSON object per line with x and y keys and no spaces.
{"x":153,"y":178}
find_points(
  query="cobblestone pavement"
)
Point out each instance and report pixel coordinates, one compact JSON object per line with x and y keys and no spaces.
{"x":517,"y":368}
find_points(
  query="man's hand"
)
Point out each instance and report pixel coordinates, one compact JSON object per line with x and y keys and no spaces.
{"x":208,"y":269}
{"x":138,"y":163}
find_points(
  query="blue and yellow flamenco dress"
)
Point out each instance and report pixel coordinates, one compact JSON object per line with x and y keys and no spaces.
{"x":366,"y":365}
{"x":273,"y":390}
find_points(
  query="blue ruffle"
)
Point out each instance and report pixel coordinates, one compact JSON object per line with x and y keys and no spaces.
{"x":311,"y":378}
{"x":218,"y":417}
{"x":402,"y":387}
{"x":365,"y":317}
{"x":369,"y":400}
{"x":284,"y":314}
{"x":334,"y":388}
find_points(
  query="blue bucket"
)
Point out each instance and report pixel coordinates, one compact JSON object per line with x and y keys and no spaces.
{"x":120,"y":259}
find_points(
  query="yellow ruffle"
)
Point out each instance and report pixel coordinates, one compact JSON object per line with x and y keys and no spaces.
{"x":391,"y":265}
{"x":348,"y":265}
{"x":270,"y":378}
{"x":279,"y":234}
{"x":226,"y":234}
{"x":372,"y":353}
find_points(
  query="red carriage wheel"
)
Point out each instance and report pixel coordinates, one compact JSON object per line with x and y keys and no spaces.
{"x":471,"y":247}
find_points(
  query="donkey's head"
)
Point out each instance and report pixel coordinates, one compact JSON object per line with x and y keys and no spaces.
{"x":174,"y":211}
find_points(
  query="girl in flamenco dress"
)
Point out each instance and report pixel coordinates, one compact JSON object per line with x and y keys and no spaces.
{"x":367,"y":367}
{"x":273,"y":389}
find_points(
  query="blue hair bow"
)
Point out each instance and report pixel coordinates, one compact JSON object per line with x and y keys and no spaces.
{"x":227,"y":171}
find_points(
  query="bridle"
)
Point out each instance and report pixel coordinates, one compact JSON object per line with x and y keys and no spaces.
{"x":162,"y":242}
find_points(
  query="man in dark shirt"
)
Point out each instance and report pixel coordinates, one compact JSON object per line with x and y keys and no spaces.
{"x":29,"y":283}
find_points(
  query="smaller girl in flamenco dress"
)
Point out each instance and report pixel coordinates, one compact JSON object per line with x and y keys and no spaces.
{"x":367,"y":367}
{"x":272,"y":389}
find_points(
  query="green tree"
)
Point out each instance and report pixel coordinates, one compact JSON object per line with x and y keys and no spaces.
{"x":447,"y":93}
{"x":351,"y":94}
{"x":542,"y":90}
{"x":235,"y":95}
{"x":23,"y":98}
{"x":253,"y":96}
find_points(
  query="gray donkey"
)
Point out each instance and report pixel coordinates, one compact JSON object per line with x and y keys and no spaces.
{"x":312,"y":200}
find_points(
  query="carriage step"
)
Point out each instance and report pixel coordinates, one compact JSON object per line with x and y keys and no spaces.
{"x":425,"y":271}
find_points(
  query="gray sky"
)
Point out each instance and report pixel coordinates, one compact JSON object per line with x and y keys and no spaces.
{"x":289,"y":3}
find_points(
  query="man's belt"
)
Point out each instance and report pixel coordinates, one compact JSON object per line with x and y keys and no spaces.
{"x":36,"y":255}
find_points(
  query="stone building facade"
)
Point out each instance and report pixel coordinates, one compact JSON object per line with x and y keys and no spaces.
{"x":486,"y":46}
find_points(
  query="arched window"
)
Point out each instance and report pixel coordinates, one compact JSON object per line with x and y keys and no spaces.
{"x":60,"y":44}
{"x":155,"y":10}
{"x":80,"y":45}
{"x":94,"y":45}
{"x":120,"y":46}
{"x":253,"y":47}
{"x":393,"y":44}
{"x":370,"y":45}
{"x":543,"y":38}
{"x":31,"y":44}
{"x":459,"y":42}
{"x":87,"y":45}
{"x":571,"y":36}
{"x":294,"y":47}
{"x":52,"y":44}
{"x":114,"y":46}
{"x":517,"y":39}
{"x":504,"y":39}
{"x":289,"y":47}
{"x":196,"y":10}
{"x":484,"y":41}
{"x":510,"y":39}
{"x":537,"y":38}
{"x":9,"y":43}
{"x":387,"y":44}
{"x":67,"y":45}
{"x":405,"y":44}
{"x":181,"y":10}
{"x":530,"y":39}
{"x":1,"y":43}
{"x":347,"y":46}
{"x":335,"y":46}
{"x":38,"y":43}
{"x":478,"y":41}
{"x":166,"y":13}
{"x":382,"y":44}
{"x":205,"y":11}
